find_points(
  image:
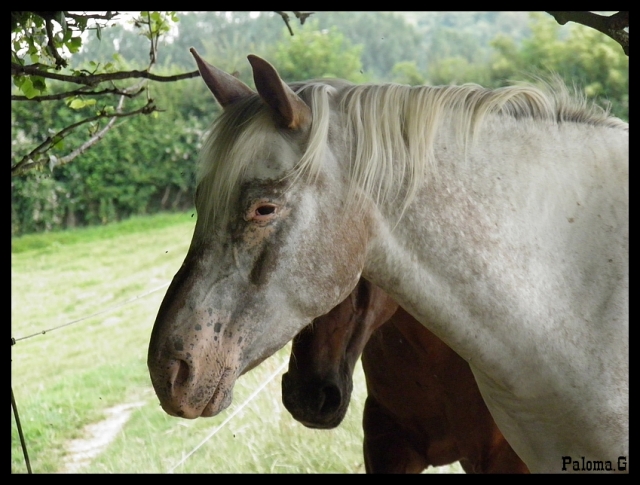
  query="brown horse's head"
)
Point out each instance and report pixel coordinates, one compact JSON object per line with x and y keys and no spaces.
{"x":317,"y":387}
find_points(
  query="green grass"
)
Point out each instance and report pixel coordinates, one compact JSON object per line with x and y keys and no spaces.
{"x":69,"y":377}
{"x":135,"y":224}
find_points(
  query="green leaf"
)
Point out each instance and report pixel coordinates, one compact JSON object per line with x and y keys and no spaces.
{"x":39,"y":83}
{"x":74,"y":44}
{"x":59,"y":145}
{"x":78,"y":103}
{"x":28,"y":90}
{"x":19,"y":81}
{"x":99,"y":31}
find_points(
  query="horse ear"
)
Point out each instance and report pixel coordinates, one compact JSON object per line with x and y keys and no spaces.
{"x":288,"y":106}
{"x":226,"y":88}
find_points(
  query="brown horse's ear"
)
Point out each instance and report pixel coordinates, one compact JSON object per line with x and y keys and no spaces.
{"x":226,"y":88}
{"x":289,"y":108}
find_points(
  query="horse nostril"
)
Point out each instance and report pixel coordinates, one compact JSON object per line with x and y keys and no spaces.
{"x":179,"y":370}
{"x":332,"y":399}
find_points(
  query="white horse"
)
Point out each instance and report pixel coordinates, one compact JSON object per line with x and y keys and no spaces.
{"x":497,"y":218}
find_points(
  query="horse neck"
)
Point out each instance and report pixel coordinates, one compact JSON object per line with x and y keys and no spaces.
{"x":463,"y":248}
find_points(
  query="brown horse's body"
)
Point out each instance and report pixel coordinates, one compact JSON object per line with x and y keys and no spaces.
{"x":423,"y":406}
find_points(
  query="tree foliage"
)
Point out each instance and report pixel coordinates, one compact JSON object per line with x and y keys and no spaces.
{"x":147,"y":163}
{"x":315,"y":53}
{"x":41,"y":46}
{"x":581,"y":56}
{"x":385,"y":39}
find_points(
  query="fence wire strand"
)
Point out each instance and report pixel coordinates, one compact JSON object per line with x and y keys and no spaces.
{"x":111,"y":308}
{"x":236,"y":411}
{"x":14,"y":340}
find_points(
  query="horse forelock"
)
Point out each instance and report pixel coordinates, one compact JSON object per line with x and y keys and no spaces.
{"x":390,"y":131}
{"x":241,"y":136}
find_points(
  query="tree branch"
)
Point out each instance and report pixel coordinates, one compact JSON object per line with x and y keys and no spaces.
{"x":27,"y":162}
{"x":285,"y":17}
{"x":84,"y":147}
{"x":612,"y":26}
{"x":301,"y":16}
{"x":60,"y":62}
{"x":94,"y":79}
{"x":108,"y":16}
{"x":154,"y":26}
{"x":77,"y":92}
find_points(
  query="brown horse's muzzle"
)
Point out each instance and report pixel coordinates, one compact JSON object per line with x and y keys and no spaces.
{"x":316,"y":403}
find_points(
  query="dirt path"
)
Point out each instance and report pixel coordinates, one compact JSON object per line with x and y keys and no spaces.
{"x":81,"y":451}
{"x":97,"y":437}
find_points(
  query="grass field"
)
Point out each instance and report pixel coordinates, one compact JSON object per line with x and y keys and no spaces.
{"x":68,"y":381}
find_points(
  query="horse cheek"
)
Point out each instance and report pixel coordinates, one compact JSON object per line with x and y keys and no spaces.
{"x":342,"y":255}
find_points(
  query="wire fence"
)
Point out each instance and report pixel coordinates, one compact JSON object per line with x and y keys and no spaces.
{"x":14,"y":407}
{"x":106,"y":310}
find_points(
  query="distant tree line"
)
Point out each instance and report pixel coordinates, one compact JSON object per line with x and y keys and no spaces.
{"x":147,"y":164}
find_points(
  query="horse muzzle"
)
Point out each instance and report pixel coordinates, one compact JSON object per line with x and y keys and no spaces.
{"x":315,"y":404}
{"x":188,"y":394}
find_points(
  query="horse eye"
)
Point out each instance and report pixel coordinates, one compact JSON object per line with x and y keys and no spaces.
{"x":265,"y":210}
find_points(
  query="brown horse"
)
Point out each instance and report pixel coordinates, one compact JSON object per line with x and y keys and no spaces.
{"x":423,"y":408}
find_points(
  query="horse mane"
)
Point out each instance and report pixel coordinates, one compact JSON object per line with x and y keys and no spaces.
{"x":392,"y":130}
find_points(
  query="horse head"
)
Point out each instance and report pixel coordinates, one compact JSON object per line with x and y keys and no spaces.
{"x":273,"y":247}
{"x":316,"y":389}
